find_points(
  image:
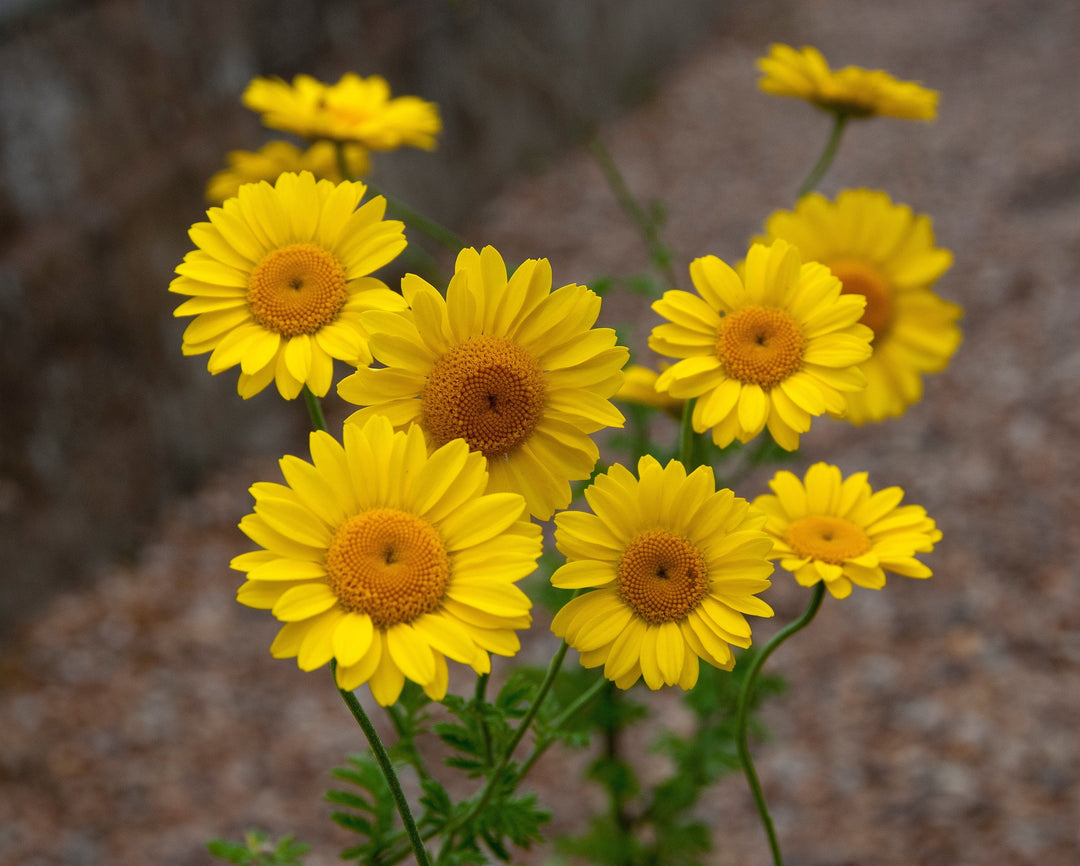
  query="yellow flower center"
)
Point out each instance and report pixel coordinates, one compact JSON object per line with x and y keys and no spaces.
{"x":389,"y":564}
{"x":487,"y":391}
{"x":761,"y":345}
{"x":662,"y":576}
{"x":828,"y":539}
{"x":296,"y":290}
{"x":859,"y":278}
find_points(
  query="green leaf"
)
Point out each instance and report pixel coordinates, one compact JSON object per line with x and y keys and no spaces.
{"x":461,"y":738}
{"x":601,"y":285}
{"x":230,"y":851}
{"x":435,"y":800}
{"x":373,"y":805}
{"x":616,"y":775}
{"x":353,"y":801}
{"x":518,"y":691}
{"x":353,"y":822}
{"x":258,"y":850}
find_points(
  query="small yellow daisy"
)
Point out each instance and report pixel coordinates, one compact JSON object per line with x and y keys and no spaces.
{"x":851,"y":91}
{"x":280,"y":277}
{"x":273,"y":159}
{"x":639,"y":387}
{"x":389,"y":560}
{"x":772,"y":349}
{"x":515,"y":369}
{"x":886,"y":253}
{"x":838,"y":530}
{"x":672,"y":565}
{"x":355,"y":109}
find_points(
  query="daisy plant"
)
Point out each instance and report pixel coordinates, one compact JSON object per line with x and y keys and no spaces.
{"x":846,"y":94}
{"x":503,"y":363}
{"x":275,"y":158}
{"x":405,"y":552}
{"x":884,"y":252}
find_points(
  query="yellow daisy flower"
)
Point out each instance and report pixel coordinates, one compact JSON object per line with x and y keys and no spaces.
{"x":355,"y":109}
{"x":851,"y":91}
{"x":672,"y":565}
{"x":389,"y":560}
{"x":280,"y":278}
{"x":639,"y":387}
{"x":516,"y":370}
{"x":772,"y":349}
{"x":838,"y":530}
{"x":273,"y":159}
{"x":886,"y":253}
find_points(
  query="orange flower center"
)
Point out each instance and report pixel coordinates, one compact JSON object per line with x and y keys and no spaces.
{"x":389,"y":564}
{"x":859,"y":278}
{"x":761,"y":345}
{"x":662,"y":576}
{"x":828,"y":539}
{"x":487,"y":391}
{"x":297,"y":290}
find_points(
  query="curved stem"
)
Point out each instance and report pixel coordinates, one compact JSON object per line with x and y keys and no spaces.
{"x":519,"y":735}
{"x":659,"y":254}
{"x":742,"y":713}
{"x":342,"y":161}
{"x":387,"y":768}
{"x":556,"y":723}
{"x":479,"y":699}
{"x":314,"y":408}
{"x":825,"y":160}
{"x":436,"y":231}
{"x":444,"y":237}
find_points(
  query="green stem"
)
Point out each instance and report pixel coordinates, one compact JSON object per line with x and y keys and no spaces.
{"x":659,"y":254}
{"x":686,"y":436}
{"x":616,"y":794}
{"x":443,"y":236}
{"x":742,"y":714}
{"x":840,"y":120}
{"x":387,"y":768}
{"x":479,"y":700}
{"x":640,"y":440}
{"x":557,"y":723}
{"x":314,"y":408}
{"x":437,"y":232}
{"x":519,"y":735}
{"x":342,"y":162}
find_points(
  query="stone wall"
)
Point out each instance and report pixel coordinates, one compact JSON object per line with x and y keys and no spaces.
{"x":113,"y":115}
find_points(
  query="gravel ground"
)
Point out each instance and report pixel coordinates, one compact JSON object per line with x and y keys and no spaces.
{"x":931,"y":723}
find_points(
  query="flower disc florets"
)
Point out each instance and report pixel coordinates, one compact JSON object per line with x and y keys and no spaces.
{"x":772,"y":348}
{"x":513,"y":368}
{"x":885,"y":253}
{"x":671,"y":566}
{"x":837,"y":530}
{"x":279,"y":279}
{"x":389,"y":559}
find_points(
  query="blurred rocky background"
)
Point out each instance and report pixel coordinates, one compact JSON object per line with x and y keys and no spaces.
{"x":931,"y":723}
{"x":114,"y":114}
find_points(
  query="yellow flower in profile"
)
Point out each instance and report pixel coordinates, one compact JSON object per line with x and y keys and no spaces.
{"x":886,"y":253}
{"x":639,"y":387}
{"x":672,"y":565}
{"x":851,"y":91}
{"x":515,"y":369}
{"x":280,"y":277}
{"x":277,"y":157}
{"x":389,"y":560}
{"x":838,"y":530}
{"x":355,"y":109}
{"x":772,"y":349}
